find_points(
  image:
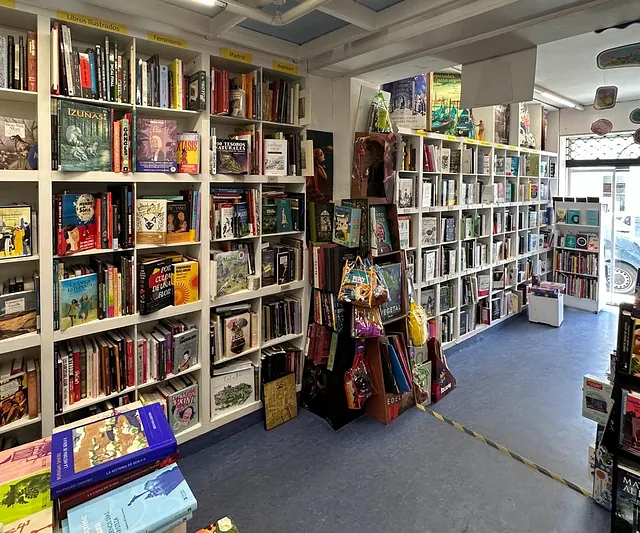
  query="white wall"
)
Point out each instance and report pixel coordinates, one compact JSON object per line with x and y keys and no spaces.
{"x":574,"y":122}
{"x":321,"y":90}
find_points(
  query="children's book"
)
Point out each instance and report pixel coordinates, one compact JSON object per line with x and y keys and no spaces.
{"x":76,"y":225}
{"x":103,"y":449}
{"x":16,"y":239}
{"x":230,"y":272}
{"x":346,"y":226}
{"x":151,"y":503}
{"x":78,"y":300}
{"x":380,"y":236}
{"x":156,"y":145}
{"x":85,"y":137}
{"x":189,"y":153}
{"x":185,"y":283}
{"x":19,"y":143}
{"x":151,"y":221}
{"x":182,"y":405}
{"x":232,"y":156}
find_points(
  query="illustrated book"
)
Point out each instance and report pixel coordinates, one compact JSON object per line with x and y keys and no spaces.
{"x":76,"y":223}
{"x":346,"y":226}
{"x":182,"y":405}
{"x":156,"y":145}
{"x":189,"y":153}
{"x":84,"y":137}
{"x":321,"y":221}
{"x":18,"y":143}
{"x":16,"y":239}
{"x":185,"y":283}
{"x":237,"y":334}
{"x":275,"y":157}
{"x":185,"y":349}
{"x":78,"y":300}
{"x":232,"y":385}
{"x":232,"y":156}
{"x":155,"y":284}
{"x":392,"y":275}
{"x":230,"y":272}
{"x":380,"y":235}
{"x":151,"y":221}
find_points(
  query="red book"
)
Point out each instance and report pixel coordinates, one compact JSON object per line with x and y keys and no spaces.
{"x":77,"y":390}
{"x":85,"y":75}
{"x":130,"y":362}
{"x":110,"y":220}
{"x":32,"y":62}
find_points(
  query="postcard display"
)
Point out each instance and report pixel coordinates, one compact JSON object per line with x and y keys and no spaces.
{"x":33,"y":171}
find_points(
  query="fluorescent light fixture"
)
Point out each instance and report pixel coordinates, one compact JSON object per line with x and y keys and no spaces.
{"x":551,"y":98}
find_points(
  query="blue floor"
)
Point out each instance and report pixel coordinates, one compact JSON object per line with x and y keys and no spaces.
{"x":519,"y":386}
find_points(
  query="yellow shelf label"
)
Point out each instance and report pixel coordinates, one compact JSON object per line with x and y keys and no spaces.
{"x":485,"y":143}
{"x":451,"y":138}
{"x":167,"y":39}
{"x":501,"y":146}
{"x":288,"y":68}
{"x":236,"y":55}
{"x":8,"y":3}
{"x":91,"y":22}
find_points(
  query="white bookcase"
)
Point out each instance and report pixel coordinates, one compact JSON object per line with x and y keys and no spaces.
{"x":38,"y":187}
{"x":580,"y":265}
{"x":538,"y":177}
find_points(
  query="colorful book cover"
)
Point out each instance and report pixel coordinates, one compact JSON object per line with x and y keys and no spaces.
{"x":15,"y":231}
{"x":178,"y":227}
{"x":346,"y":226}
{"x":573,"y":216}
{"x":185,"y":283}
{"x":78,"y":300}
{"x":407,"y":103}
{"x":156,"y":288}
{"x":232,"y":156}
{"x":321,"y":221}
{"x":189,"y":153}
{"x":156,"y":145}
{"x":363,"y":204}
{"x":76,"y":223}
{"x":39,"y":522}
{"x":105,"y":448}
{"x":18,"y":144}
{"x":152,"y":221}
{"x":185,"y":349}
{"x":630,"y":423}
{"x":284,"y":221}
{"x":230,"y":388}
{"x":570,"y":241}
{"x":237,"y":334}
{"x":183,"y":408}
{"x":634,"y":362}
{"x":429,"y":231}
{"x":446,"y":115}
{"x":85,"y":137}
{"x":232,"y":269}
{"x":380,"y":236}
{"x":25,"y":496}
{"x":28,"y":459}
{"x":149,"y":503}
{"x":392,"y":275}
{"x":627,"y":496}
{"x":13,"y":398}
{"x":593,"y":217}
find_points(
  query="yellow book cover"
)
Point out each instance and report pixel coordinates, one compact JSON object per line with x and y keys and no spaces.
{"x":175,"y":72}
{"x":185,"y":283}
{"x":15,"y":231}
{"x":189,"y":153}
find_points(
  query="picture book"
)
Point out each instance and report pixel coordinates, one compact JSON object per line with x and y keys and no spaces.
{"x":84,"y":138}
{"x":185,"y":349}
{"x":593,"y":217}
{"x":346,"y":226}
{"x":275,"y":157}
{"x":380,"y":236}
{"x":77,"y":224}
{"x":237,"y":334}
{"x":150,"y":503}
{"x":155,"y":285}
{"x":321,"y":221}
{"x":363,"y":204}
{"x":232,"y":156}
{"x":18,"y":144}
{"x":429,"y":231}
{"x":230,"y":272}
{"x":102,"y":449}
{"x":156,"y":145}
{"x":189,"y":153}
{"x":15,"y":231}
{"x":178,"y":222}
{"x":185,"y":283}
{"x":392,"y":275}
{"x":284,"y":221}
{"x":232,"y":386}
{"x":25,"y":495}
{"x":78,"y":299}
{"x":182,"y":407}
{"x":573,"y":216}
{"x":151,"y":221}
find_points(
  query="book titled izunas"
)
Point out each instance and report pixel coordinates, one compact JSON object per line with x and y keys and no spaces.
{"x":232,"y":156}
{"x":155,"y":502}
{"x":84,"y":136}
{"x":107,"y":447}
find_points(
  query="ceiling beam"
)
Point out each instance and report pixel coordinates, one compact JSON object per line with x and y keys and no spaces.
{"x":226,"y":20}
{"x":260,"y":42}
{"x":351,"y":12}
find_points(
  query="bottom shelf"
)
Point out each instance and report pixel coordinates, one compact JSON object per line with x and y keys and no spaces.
{"x":585,"y":304}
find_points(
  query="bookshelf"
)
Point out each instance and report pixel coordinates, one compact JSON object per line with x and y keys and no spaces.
{"x":578,"y":257}
{"x":37,"y":188}
{"x":513,"y":252}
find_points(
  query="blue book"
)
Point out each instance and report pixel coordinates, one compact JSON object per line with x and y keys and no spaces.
{"x":593,"y":217}
{"x":154,"y":502}
{"x":78,"y":300}
{"x":103,"y":449}
{"x":94,"y":74}
{"x":398,"y":372}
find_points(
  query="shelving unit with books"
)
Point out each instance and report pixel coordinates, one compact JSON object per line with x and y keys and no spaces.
{"x":497,"y":204}
{"x":578,"y":257}
{"x":191,"y":186}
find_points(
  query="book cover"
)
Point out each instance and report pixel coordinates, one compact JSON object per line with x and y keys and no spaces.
{"x":321,"y":221}
{"x":13,"y":398}
{"x":149,"y":503}
{"x":237,"y":334}
{"x":593,"y":217}
{"x":593,"y":243}
{"x":429,"y":231}
{"x":156,"y":145}
{"x":25,"y":460}
{"x":392,"y":275}
{"x":151,"y":221}
{"x":380,"y":235}
{"x":284,"y":221}
{"x":78,"y":300}
{"x":232,"y":269}
{"x":105,"y":448}
{"x":39,"y":522}
{"x":185,"y":349}
{"x":182,"y":407}
{"x":16,"y":239}
{"x":561,"y":216}
{"x":573,"y":216}
{"x":231,"y":389}
{"x":275,"y":157}
{"x":363,"y":204}
{"x":178,"y":222}
{"x":76,"y":223}
{"x":407,"y":101}
{"x":405,"y":192}
{"x":18,"y":313}
{"x":85,"y":137}
{"x":570,"y":241}
{"x":25,"y":496}
{"x":444,"y":101}
{"x":346,"y":226}
{"x":189,"y":153}
{"x":18,"y":143}
{"x":185,"y":283}
{"x":232,"y":156}
{"x":627,"y":499}
{"x":156,"y":288}
{"x":404,"y":231}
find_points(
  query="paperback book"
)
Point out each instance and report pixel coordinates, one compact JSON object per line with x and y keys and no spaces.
{"x":380,"y":235}
{"x":189,"y":153}
{"x":275,"y":157}
{"x":232,"y":156}
{"x":76,"y":224}
{"x":16,"y":239}
{"x":156,"y":287}
{"x":346,"y":226}
{"x":156,"y":145}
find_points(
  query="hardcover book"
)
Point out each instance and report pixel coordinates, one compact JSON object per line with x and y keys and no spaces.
{"x":573,"y":216}
{"x":232,"y":386}
{"x":189,"y":153}
{"x":156,"y":145}
{"x":232,"y":156}
{"x":346,"y":226}
{"x":284,"y":221}
{"x":154,"y":502}
{"x":392,"y":275}
{"x":380,"y":236}
{"x":593,"y":217}
{"x":275,"y":157}
{"x":18,"y":314}
{"x":24,"y":496}
{"x":232,"y":269}
{"x":18,"y":143}
{"x":178,"y":222}
{"x":321,"y":221}
{"x":105,"y":448}
{"x":84,"y":138}
{"x":15,"y":231}
{"x":76,"y":223}
{"x":185,"y":283}
{"x":182,"y":407}
{"x":429,"y":231}
{"x":78,"y":300}
{"x":151,"y":221}
{"x":185,"y":349}
{"x":156,"y":288}
{"x":237,"y":334}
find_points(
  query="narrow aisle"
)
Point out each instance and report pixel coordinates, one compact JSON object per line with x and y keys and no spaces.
{"x":521,"y":386}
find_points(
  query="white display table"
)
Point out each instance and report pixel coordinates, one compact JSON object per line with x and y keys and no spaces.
{"x":546,"y":310}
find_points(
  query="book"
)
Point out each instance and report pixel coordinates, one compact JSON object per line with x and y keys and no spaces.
{"x":84,"y":137}
{"x":151,"y":221}
{"x":76,"y":223}
{"x":185,"y":350}
{"x":189,"y":153}
{"x":627,"y":493}
{"x":237,"y":334}
{"x":346,"y":226}
{"x":232,"y":386}
{"x":178,"y":221}
{"x":135,"y":437}
{"x":185,"y":282}
{"x":284,"y":220}
{"x":275,"y":157}
{"x":16,"y":235}
{"x":78,"y":297}
{"x":429,"y":231}
{"x":156,"y":145}
{"x":380,"y":236}
{"x":155,"y":289}
{"x":18,"y":143}
{"x":392,"y":275}
{"x":229,"y":272}
{"x":182,"y":405}
{"x":593,"y":217}
{"x":570,"y":241}
{"x":405,"y":192}
{"x":13,"y":398}
{"x":404,"y":231}
{"x":232,"y":156}
{"x":484,"y":281}
{"x":151,"y":503}
{"x":573,"y":216}
{"x":321,"y":221}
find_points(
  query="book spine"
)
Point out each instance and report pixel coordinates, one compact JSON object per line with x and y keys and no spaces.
{"x":16,"y":64}
{"x":77,"y":373}
{"x":145,"y":82}
{"x":124,"y":142}
{"x":77,"y":79}
{"x":119,"y":77}
{"x":99,"y":71}
{"x":176,"y":102}
{"x":65,"y":381}
{"x":117,"y":153}
{"x":93,"y":70}
{"x":107,"y":70}
{"x":164,"y":86}
{"x":32,"y":62}
{"x":23,"y":64}
{"x":3,"y":63}
{"x":32,"y":392}
{"x":66,"y":38}
{"x":113,"y":73}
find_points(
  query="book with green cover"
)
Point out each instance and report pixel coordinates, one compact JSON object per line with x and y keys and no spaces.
{"x":284,"y":222}
{"x":321,"y":221}
{"x":380,"y":235}
{"x":363,"y":204}
{"x":84,"y":137}
{"x":346,"y":226}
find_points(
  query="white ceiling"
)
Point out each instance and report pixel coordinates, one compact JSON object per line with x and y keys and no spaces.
{"x":568,"y":67}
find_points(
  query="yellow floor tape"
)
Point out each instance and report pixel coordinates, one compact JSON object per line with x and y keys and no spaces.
{"x":501,"y":448}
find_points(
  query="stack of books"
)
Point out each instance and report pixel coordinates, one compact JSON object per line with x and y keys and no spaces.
{"x":140,"y":484}
{"x":234,"y":330}
{"x":19,"y":390}
{"x":19,"y":62}
{"x":281,"y":317}
{"x":166,"y":279}
{"x":163,"y":219}
{"x":282,"y":211}
{"x":234,"y":213}
{"x":179,"y":400}
{"x":280,"y":360}
{"x":283,"y":263}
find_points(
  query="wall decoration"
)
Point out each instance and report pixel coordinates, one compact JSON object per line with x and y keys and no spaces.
{"x":622,"y":56}
{"x":606,"y":97}
{"x":634,"y":116}
{"x":447,"y":117}
{"x":527,"y":138}
{"x":408,"y":102}
{"x":502,"y":116}
{"x":320,"y":185}
{"x":602,"y":126}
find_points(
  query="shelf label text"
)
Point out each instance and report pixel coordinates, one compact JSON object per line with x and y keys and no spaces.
{"x":167,"y":39}
{"x":8,"y":3}
{"x":236,"y":55}
{"x":91,"y":22}
{"x":281,"y":66}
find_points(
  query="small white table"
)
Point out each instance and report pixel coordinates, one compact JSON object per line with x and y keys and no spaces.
{"x":546,"y":310}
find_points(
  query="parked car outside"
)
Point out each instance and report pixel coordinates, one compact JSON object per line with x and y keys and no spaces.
{"x":627,"y":262}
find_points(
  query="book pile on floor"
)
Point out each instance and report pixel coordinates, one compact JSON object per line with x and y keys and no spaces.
{"x":117,"y":471}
